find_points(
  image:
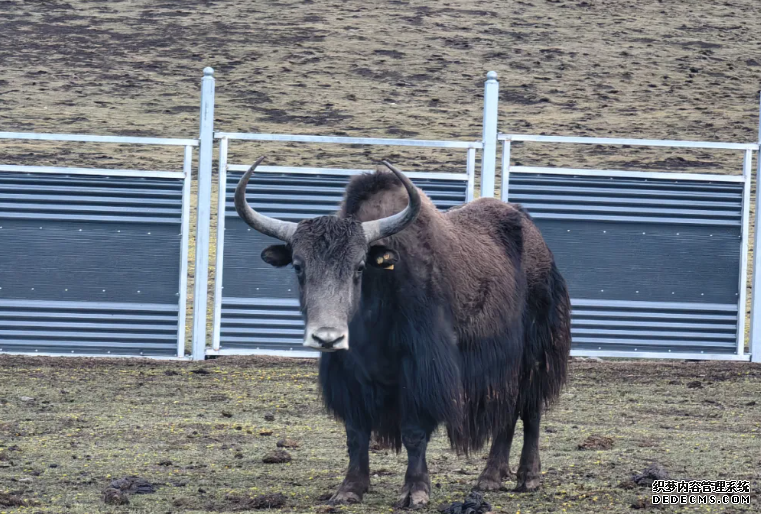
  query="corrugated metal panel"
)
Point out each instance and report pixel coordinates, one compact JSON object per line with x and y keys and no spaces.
{"x":260,"y":308}
{"x":83,"y":198}
{"x":646,"y":262}
{"x":107,"y":328}
{"x":619,"y":199}
{"x":651,"y":326}
{"x":665,"y":258}
{"x":262,"y":324}
{"x":90,"y":264}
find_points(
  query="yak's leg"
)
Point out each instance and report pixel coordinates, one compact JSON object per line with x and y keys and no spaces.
{"x":529,"y":470}
{"x":498,"y":464}
{"x":417,"y":484}
{"x":357,"y":480}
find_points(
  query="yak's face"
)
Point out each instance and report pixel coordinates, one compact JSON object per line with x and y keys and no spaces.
{"x":328,"y":255}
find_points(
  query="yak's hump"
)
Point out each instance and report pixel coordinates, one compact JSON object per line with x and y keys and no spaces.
{"x":363,"y":187}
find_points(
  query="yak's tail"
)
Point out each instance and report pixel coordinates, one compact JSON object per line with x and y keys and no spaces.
{"x":547,"y":329}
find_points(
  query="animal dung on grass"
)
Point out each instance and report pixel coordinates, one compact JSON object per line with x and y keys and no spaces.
{"x":288,"y":443}
{"x":242,"y":502}
{"x":474,"y":504}
{"x":15,"y":500}
{"x":651,"y":473}
{"x":113,"y":496}
{"x":133,"y":485}
{"x":277,"y":457}
{"x":596,"y":442}
{"x":118,"y":491}
{"x":262,"y":501}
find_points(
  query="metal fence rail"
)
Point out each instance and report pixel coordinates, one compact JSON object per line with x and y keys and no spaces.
{"x":95,"y":260}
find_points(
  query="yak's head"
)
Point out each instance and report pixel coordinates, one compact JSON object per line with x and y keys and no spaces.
{"x":328,"y":255}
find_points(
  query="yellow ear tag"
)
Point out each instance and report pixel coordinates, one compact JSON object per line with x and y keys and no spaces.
{"x":379,"y":260}
{"x":389,"y":267}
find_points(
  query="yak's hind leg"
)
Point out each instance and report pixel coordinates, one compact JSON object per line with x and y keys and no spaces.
{"x":545,"y":365}
{"x":529,"y":469}
{"x":498,"y":465}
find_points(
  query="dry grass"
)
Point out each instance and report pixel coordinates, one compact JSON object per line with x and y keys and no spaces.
{"x":69,"y":426}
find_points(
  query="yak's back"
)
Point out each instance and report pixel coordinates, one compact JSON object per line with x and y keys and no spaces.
{"x":512,"y":225}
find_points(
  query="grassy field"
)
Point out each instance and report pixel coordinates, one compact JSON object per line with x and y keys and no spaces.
{"x":198,"y":432}
{"x":675,"y":69}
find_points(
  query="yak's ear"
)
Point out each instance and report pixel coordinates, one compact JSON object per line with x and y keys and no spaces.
{"x":277,"y":255}
{"x":382,"y":257}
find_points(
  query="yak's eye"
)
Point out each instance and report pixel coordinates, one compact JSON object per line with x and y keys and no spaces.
{"x":360,"y":269}
{"x":298,"y":268}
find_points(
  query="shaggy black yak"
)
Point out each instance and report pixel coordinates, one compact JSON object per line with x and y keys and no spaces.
{"x":424,"y":318}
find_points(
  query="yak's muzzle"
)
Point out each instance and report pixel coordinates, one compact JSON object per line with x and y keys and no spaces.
{"x":327,"y":339}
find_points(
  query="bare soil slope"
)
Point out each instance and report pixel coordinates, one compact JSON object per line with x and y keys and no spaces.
{"x":649,"y":68}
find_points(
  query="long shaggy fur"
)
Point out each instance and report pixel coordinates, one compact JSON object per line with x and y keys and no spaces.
{"x":470,"y":330}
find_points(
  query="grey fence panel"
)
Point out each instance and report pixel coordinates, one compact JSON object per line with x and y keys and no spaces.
{"x":90,"y":264}
{"x":652,"y":265}
{"x":259,"y":305}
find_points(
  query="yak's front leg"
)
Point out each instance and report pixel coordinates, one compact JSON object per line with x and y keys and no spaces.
{"x":417,"y":484}
{"x":357,"y":480}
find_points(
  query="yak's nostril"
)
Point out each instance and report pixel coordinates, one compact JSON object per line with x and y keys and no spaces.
{"x":328,"y":337}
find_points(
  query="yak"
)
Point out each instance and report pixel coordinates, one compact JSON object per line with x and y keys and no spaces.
{"x":426,"y":318}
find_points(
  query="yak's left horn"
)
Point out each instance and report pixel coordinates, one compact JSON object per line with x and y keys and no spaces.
{"x":385,"y":227}
{"x":282,"y":230}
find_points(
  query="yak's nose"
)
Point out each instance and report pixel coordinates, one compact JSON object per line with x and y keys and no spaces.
{"x":327,"y":339}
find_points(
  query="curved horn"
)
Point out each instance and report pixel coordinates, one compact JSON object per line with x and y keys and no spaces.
{"x":282,"y":230}
{"x":385,"y":227}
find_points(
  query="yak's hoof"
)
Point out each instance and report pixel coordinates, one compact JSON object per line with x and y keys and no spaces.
{"x":528,"y":485}
{"x":489,"y":484}
{"x":345,"y":497}
{"x":414,"y":496}
{"x":491,"y":479}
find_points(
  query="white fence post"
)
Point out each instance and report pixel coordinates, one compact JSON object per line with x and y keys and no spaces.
{"x":489,"y":154}
{"x":755,"y":304}
{"x":505,"y":189}
{"x":206,"y":147}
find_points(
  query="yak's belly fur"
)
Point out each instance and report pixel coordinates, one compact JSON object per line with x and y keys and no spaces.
{"x":470,"y":329}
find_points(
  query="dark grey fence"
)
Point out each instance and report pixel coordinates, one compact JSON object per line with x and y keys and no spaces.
{"x":94,"y":261}
{"x":656,"y":262}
